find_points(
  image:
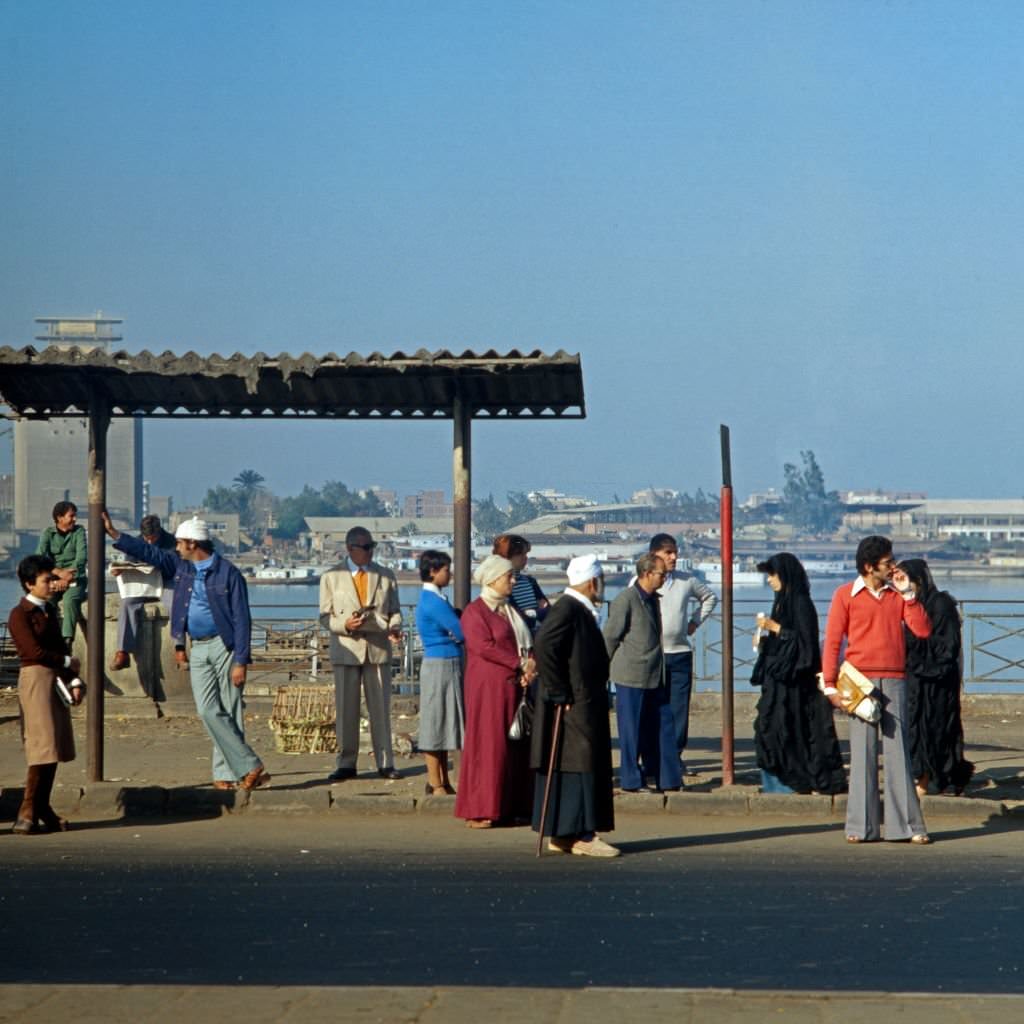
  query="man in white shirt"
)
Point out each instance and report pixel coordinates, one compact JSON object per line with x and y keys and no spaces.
{"x":678,"y":625}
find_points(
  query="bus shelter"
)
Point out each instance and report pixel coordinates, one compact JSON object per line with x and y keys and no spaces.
{"x":99,"y":385}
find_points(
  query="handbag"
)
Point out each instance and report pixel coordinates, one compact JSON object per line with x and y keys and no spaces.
{"x":522,"y":721}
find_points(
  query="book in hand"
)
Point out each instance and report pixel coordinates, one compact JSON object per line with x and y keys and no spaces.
{"x":68,"y":692}
{"x":857,"y":694}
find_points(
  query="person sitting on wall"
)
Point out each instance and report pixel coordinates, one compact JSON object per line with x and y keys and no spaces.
{"x":130,"y":615}
{"x":64,"y":542}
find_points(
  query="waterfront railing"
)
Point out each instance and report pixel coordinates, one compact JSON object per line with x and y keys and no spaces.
{"x":294,"y":647}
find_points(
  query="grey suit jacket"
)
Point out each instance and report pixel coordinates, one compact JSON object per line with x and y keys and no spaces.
{"x":339,"y":601}
{"x":632,"y":637}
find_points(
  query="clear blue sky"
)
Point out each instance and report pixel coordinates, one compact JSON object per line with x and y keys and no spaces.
{"x":800,"y":219}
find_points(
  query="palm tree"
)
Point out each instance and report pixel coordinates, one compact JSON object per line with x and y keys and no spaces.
{"x":248,"y":483}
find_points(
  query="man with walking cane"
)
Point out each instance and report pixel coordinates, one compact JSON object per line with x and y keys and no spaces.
{"x":571,"y":746}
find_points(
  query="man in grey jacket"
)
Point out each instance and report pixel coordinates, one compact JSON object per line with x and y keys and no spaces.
{"x":679,"y":590}
{"x":632,"y":636}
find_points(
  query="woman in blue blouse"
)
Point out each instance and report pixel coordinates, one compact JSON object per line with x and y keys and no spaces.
{"x":441,"y":715}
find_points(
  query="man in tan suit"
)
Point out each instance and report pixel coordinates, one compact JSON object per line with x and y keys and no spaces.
{"x":359,"y":605}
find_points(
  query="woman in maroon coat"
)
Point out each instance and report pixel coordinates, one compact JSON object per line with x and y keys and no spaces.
{"x":45,"y":719}
{"x":494,"y":775}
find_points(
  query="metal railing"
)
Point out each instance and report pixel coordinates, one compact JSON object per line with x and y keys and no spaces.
{"x":297,"y":647}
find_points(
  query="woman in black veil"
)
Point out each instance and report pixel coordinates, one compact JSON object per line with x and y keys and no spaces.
{"x":934,"y":727}
{"x":794,"y":735}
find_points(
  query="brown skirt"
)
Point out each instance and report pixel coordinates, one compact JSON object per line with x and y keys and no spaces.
{"x":45,"y":722}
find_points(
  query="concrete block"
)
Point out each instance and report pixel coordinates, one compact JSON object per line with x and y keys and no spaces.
{"x":371,"y":803}
{"x":720,"y":801}
{"x":143,"y":801}
{"x":443,"y":805}
{"x":315,"y":800}
{"x":965,"y":808}
{"x":101,"y":798}
{"x":786,"y":804}
{"x":644,"y":802}
{"x":200,"y":801}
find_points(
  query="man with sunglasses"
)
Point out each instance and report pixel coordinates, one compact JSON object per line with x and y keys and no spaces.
{"x":870,"y":615}
{"x":359,"y":605}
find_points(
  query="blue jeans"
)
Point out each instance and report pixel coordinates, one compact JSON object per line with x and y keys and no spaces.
{"x":219,"y":703}
{"x":646,"y":736}
{"x":679,"y":677}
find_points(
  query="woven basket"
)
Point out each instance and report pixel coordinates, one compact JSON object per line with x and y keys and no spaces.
{"x":303,"y":720}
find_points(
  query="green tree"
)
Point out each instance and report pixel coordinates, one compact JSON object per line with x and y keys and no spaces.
{"x":808,"y":505}
{"x":488,"y":519}
{"x":249,"y":486}
{"x":222,"y":499}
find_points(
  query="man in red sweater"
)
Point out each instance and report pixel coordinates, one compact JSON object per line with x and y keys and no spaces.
{"x":870,"y":614}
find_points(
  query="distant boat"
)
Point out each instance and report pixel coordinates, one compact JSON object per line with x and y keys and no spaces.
{"x":820,"y":567}
{"x":285,"y":574}
{"x":711,"y":572}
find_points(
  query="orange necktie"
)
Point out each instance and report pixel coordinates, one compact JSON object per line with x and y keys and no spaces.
{"x":359,"y":579}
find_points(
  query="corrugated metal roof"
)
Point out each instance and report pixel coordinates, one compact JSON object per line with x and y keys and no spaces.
{"x":424,"y":384}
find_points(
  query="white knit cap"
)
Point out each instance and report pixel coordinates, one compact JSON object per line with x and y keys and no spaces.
{"x":192,"y":529}
{"x":491,"y":568}
{"x":583,"y":568}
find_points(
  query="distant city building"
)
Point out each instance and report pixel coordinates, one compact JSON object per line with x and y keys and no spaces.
{"x":992,"y":519}
{"x":51,"y":456}
{"x":879,"y":511}
{"x":389,"y":499}
{"x":327,"y":533}
{"x":766,"y":501}
{"x":654,"y":496}
{"x":7,"y":492}
{"x":426,"y":504}
{"x":558,"y":500}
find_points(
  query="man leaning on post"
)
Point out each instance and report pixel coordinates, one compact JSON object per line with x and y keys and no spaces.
{"x":211,"y":607}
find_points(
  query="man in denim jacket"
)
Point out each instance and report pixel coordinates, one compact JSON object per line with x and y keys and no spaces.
{"x":211,"y":607}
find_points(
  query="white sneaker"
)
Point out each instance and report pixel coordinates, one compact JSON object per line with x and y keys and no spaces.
{"x":560,"y":845}
{"x":595,"y":847}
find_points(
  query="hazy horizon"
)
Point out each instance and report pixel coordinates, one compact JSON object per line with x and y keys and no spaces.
{"x":802,"y":220}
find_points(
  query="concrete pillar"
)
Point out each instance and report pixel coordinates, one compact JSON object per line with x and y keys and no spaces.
{"x":462,"y":415}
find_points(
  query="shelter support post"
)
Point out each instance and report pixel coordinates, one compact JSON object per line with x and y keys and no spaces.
{"x":99,"y":421}
{"x":462,"y":415}
{"x":725,"y":512}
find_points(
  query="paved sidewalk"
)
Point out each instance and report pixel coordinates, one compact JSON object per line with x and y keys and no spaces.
{"x":162,"y":767}
{"x":169,"y":1004}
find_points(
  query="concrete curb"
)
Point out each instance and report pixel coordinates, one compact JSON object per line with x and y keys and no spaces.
{"x":115,"y":800}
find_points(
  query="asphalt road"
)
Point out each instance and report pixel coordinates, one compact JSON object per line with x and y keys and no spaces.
{"x":406,"y":900}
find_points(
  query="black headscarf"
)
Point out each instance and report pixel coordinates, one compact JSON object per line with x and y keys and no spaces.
{"x":920,"y":575}
{"x":794,"y":581}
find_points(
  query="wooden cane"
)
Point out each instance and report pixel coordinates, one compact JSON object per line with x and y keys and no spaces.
{"x":556,"y":736}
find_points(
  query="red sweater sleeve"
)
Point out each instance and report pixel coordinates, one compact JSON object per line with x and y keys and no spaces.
{"x":835,"y":629}
{"x":916,"y":619}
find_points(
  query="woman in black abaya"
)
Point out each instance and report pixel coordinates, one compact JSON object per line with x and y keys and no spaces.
{"x":935,"y":730}
{"x":794,"y":735}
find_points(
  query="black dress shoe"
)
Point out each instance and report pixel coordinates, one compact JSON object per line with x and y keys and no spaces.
{"x":341,"y":775}
{"x":388,"y":773}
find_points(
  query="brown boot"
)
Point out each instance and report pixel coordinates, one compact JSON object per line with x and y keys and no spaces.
{"x":45,"y":815}
{"x":26,"y":822}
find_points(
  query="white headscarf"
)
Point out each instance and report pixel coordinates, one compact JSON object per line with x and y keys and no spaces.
{"x":491,"y":568}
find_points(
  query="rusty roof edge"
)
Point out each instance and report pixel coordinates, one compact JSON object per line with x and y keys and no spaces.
{"x":242,"y":365}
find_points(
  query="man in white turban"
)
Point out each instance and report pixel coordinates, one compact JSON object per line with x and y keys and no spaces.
{"x":572,"y":666}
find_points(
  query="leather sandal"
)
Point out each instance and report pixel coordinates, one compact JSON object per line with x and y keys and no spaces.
{"x":479,"y":823}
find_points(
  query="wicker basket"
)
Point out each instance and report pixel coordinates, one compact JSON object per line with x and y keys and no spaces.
{"x":303,"y":720}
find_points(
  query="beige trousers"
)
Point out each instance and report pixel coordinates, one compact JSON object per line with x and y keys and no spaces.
{"x":375,"y":681}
